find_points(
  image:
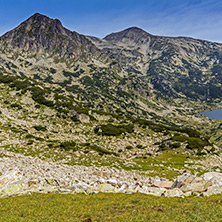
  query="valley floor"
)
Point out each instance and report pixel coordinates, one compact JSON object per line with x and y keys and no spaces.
{"x":109,"y":207}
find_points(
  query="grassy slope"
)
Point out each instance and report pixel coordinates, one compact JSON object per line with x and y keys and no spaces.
{"x":109,"y":207}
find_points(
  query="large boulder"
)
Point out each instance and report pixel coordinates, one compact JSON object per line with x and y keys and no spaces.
{"x":107,"y":188}
{"x":212,"y":190}
{"x":215,"y":177}
{"x":83,"y":118}
{"x":176,"y":192}
{"x":183,"y":180}
{"x":162,"y":183}
{"x":79,"y":188}
{"x":155,"y":191}
{"x":195,"y":187}
{"x":13,"y":190}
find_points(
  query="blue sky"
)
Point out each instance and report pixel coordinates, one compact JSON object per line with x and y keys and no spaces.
{"x":195,"y":18}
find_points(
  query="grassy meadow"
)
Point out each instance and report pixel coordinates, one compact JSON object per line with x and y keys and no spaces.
{"x":109,"y":207}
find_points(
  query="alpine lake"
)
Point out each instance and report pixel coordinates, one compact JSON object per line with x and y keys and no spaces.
{"x":213,"y":114}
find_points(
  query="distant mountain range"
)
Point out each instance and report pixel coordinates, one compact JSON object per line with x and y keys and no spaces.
{"x":118,"y":72}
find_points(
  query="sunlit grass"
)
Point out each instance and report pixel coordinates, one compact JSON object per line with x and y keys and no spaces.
{"x":167,"y":164}
{"x":109,"y":207}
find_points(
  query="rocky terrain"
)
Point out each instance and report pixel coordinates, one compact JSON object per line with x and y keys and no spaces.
{"x":119,"y":114}
{"x":25,"y":175}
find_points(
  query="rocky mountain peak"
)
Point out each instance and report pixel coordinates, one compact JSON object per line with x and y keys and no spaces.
{"x":42,"y":22}
{"x":36,"y":31}
{"x":40,"y":35}
{"x":39,"y":17}
{"x":135,"y":34}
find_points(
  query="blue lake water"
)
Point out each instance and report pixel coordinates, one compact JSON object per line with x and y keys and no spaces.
{"x":214,"y":114}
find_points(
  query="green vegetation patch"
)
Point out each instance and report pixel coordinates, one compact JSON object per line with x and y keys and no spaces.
{"x":197,"y":143}
{"x":157,"y":127}
{"x":129,"y":147}
{"x":167,"y":164}
{"x":100,"y":150}
{"x":15,"y":105}
{"x":110,"y":207}
{"x":180,"y":138}
{"x":68,"y":145}
{"x":40,"y":128}
{"x":113,"y":130}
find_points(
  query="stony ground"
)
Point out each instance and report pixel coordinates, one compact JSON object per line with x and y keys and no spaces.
{"x":24,"y":175}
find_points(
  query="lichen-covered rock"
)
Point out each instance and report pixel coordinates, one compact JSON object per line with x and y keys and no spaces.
{"x":107,"y":188}
{"x":213,"y":190}
{"x":155,"y":191}
{"x":83,"y":118}
{"x":10,"y":177}
{"x":176,"y":192}
{"x":213,"y":176}
{"x":194,"y":187}
{"x":182,"y":180}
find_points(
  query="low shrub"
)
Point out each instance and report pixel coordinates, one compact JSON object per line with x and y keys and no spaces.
{"x":30,"y":142}
{"x":156,"y":127}
{"x":139,"y":146}
{"x":15,"y":105}
{"x":101,"y":150}
{"x":191,"y":132}
{"x":52,"y":70}
{"x":15,"y":130}
{"x":20,"y":84}
{"x":113,"y":130}
{"x":40,"y":128}
{"x":197,"y":143}
{"x":28,"y":136}
{"x":180,"y":138}
{"x":162,"y":147}
{"x":68,"y":145}
{"x":175,"y":145}
{"x":37,"y":106}
{"x":129,"y":147}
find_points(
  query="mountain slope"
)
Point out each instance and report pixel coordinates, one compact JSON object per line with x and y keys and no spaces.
{"x":42,"y":49}
{"x":89,"y":101}
{"x":175,"y":66}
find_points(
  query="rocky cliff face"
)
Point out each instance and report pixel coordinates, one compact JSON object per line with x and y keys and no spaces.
{"x":40,"y":36}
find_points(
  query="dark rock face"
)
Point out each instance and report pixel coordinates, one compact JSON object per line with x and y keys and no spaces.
{"x":40,"y":34}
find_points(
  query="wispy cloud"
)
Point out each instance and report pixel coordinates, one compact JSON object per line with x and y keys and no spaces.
{"x":196,"y":18}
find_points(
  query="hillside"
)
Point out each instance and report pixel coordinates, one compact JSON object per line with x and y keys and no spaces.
{"x":128,"y":101}
{"x":179,"y":67}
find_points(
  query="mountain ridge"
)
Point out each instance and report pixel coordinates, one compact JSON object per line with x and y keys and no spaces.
{"x":168,"y":62}
{"x":136,"y":29}
{"x":163,"y":63}
{"x":41,"y":34}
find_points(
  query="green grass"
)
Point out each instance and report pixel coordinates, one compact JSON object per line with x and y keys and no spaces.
{"x":175,"y":159}
{"x":109,"y":207}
